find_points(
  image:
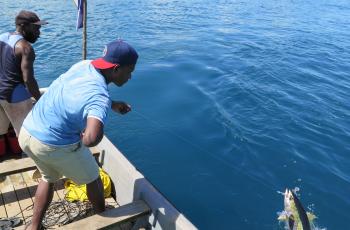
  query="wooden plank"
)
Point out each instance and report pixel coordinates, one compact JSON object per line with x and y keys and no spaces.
{"x":20,"y":165}
{"x":30,"y":183}
{"x":24,"y":199}
{"x":2,"y":208}
{"x":111,"y":217}
{"x":110,"y":202}
{"x":16,"y":166}
{"x":21,"y":193}
{"x":31,"y":186}
{"x":10,"y":199}
{"x":2,"y":204}
{"x":5,"y":187}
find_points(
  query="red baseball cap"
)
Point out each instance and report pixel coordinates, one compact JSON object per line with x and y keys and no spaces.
{"x":116,"y":53}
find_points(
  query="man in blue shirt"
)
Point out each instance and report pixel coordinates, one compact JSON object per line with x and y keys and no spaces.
{"x":70,"y":117}
{"x":17,"y":82}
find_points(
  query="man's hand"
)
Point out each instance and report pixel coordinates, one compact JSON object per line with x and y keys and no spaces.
{"x":120,"y":107}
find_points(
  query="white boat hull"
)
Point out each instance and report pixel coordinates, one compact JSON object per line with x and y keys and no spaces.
{"x":130,"y":185}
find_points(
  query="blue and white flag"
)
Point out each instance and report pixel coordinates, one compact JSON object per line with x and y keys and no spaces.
{"x":80,"y":14}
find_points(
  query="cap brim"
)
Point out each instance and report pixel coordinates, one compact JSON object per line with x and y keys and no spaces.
{"x":102,"y":64}
{"x":41,"y":22}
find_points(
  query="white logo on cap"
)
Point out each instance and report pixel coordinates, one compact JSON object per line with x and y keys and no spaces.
{"x":104,"y":51}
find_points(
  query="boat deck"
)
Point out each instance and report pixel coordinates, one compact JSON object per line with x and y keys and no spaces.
{"x":17,"y":195}
{"x":17,"y":192}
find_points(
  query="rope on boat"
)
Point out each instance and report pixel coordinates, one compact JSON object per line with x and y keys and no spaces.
{"x":64,"y":212}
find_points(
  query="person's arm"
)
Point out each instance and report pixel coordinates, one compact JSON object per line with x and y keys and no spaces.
{"x":27,"y":55}
{"x":120,"y":107}
{"x":93,"y":133}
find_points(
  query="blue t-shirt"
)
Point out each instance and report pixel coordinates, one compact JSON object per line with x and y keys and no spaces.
{"x":60,"y":115}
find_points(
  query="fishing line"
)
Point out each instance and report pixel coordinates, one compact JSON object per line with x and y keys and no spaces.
{"x":196,"y":146}
{"x":171,"y":132}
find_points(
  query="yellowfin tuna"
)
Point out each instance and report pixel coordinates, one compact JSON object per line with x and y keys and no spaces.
{"x":294,"y":214}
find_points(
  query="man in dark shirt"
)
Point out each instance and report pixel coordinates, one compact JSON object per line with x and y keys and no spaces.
{"x":17,"y":82}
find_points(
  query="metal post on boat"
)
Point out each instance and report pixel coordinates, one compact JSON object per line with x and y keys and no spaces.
{"x":84,"y":2}
{"x":84,"y":29}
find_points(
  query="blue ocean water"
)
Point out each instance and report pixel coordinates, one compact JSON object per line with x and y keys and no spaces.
{"x":233,"y":101}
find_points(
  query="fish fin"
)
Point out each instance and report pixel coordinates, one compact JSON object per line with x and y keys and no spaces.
{"x":282,"y":217}
{"x":310,"y":216}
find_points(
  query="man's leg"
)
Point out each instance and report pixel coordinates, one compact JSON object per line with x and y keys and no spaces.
{"x":43,"y":197}
{"x":95,"y":194}
{"x":4,"y":120}
{"x":17,"y":112}
{"x":4,"y":125}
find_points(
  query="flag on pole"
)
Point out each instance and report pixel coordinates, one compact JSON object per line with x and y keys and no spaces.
{"x":80,"y":14}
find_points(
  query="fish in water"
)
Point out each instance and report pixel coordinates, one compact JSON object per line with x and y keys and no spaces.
{"x":294,"y":214}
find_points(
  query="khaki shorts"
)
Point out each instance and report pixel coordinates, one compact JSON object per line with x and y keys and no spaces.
{"x":14,"y":113}
{"x":72,"y":161}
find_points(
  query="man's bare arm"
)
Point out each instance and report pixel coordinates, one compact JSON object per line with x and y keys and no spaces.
{"x":93,"y":133}
{"x":26,"y":52}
